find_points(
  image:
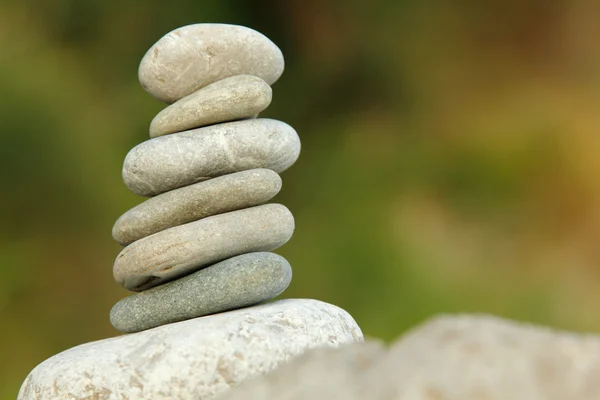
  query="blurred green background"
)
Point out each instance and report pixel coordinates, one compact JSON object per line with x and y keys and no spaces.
{"x":450,"y":160}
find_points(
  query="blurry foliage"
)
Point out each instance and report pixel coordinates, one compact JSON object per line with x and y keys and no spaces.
{"x":449,"y":163}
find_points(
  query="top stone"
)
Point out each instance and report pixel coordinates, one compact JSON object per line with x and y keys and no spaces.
{"x":193,"y":56}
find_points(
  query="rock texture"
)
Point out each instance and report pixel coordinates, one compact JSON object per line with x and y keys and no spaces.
{"x":215,"y":196}
{"x":194,"y":56}
{"x":322,"y":373}
{"x":180,"y":159}
{"x":183,"y":249}
{"x":194,"y":359}
{"x":237,"y":282}
{"x":234,"y":98}
{"x":450,"y":358}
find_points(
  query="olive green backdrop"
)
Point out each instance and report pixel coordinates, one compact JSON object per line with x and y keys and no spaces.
{"x":450,"y":160}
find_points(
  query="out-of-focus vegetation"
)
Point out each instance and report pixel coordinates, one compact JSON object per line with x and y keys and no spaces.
{"x":450,"y":162}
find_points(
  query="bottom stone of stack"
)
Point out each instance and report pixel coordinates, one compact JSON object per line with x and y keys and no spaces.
{"x":237,"y":282}
{"x":193,"y":359}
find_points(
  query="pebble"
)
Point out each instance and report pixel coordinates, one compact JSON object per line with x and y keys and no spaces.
{"x":183,"y":249}
{"x":193,"y":359}
{"x":237,"y":282}
{"x":193,"y":56}
{"x":238,"y":97}
{"x":190,"y":203}
{"x":180,"y":159}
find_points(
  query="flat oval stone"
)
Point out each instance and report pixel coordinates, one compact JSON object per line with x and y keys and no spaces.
{"x":190,"y":203}
{"x":237,"y":282}
{"x":193,"y":56}
{"x":230,"y":99}
{"x":194,"y":359}
{"x":180,"y":159}
{"x":183,"y":249}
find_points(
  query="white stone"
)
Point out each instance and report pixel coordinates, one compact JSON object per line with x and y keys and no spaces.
{"x":193,"y":56}
{"x":194,"y":359}
{"x":324,"y":373}
{"x":453,"y":358}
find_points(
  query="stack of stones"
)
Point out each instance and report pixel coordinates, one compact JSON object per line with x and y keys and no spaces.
{"x":200,"y":245}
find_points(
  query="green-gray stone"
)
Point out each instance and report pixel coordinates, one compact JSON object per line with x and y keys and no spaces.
{"x":237,"y":282}
{"x":190,"y":203}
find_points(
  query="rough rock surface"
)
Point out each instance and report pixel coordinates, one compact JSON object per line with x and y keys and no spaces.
{"x":172,"y":161}
{"x":193,"y":56}
{"x":450,"y":358}
{"x":230,"y":99}
{"x":190,"y":203}
{"x":233,"y":283}
{"x":322,"y":373}
{"x":183,"y":249}
{"x":194,"y":359}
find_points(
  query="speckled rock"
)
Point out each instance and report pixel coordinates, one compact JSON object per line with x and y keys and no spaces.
{"x":193,"y":56}
{"x":322,"y":373}
{"x":237,"y":282}
{"x":469,"y":357}
{"x":180,"y":159}
{"x":194,"y":359}
{"x":183,"y":249}
{"x":230,"y":99}
{"x":190,"y":203}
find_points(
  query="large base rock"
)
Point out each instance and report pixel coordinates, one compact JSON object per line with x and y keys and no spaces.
{"x":193,"y":359}
{"x":450,"y":358}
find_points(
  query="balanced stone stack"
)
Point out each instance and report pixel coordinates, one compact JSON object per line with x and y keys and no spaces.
{"x":200,"y":245}
{"x":198,"y":250}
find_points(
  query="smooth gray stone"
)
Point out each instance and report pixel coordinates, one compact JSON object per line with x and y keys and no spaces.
{"x":190,"y":203}
{"x":230,"y":99}
{"x":193,"y":359}
{"x":193,"y":56}
{"x":180,"y":159}
{"x":183,"y":249}
{"x":237,"y":282}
